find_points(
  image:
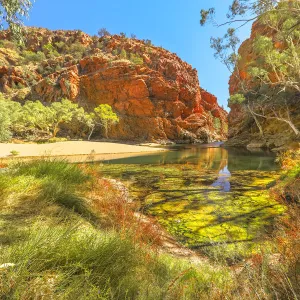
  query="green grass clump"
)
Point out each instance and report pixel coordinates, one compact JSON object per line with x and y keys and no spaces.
{"x":52,"y":245}
{"x":67,"y":263}
{"x":58,"y":170}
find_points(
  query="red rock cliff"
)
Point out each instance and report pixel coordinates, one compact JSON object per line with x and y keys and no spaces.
{"x":156,"y":98}
{"x":242,"y":128}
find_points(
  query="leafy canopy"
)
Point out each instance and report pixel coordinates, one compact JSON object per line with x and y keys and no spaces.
{"x":35,"y":118}
{"x":11,"y":13}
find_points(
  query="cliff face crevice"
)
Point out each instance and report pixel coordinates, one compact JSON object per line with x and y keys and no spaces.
{"x":155,"y":94}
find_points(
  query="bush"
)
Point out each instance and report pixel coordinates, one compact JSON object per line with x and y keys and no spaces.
{"x":148,"y":42}
{"x":115,"y":52}
{"x":8,"y":45}
{"x":14,"y":152}
{"x":77,"y":50}
{"x":50,"y":50}
{"x":123,"y":54}
{"x":236,"y":99}
{"x":103,"y":32}
{"x":99,"y":45}
{"x":217,"y":124}
{"x":9,"y":115}
{"x":136,"y":59}
{"x":29,"y":56}
{"x":61,"y":46}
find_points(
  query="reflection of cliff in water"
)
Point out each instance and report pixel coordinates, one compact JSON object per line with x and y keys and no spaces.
{"x":215,"y":158}
{"x":244,"y":159}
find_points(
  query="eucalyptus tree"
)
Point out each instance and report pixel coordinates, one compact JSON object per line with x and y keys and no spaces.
{"x":103,"y":116}
{"x":273,"y":75}
{"x":12,"y":13}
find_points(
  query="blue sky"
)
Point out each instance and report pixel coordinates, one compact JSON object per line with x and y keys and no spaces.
{"x":173,"y":24}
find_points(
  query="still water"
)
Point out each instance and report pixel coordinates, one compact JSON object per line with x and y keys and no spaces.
{"x":204,"y":194}
{"x":210,"y":156}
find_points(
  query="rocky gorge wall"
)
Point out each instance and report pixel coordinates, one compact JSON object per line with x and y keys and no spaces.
{"x":156,"y":95}
{"x":242,"y":128}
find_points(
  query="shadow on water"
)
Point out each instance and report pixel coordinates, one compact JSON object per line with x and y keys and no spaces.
{"x":204,"y":195}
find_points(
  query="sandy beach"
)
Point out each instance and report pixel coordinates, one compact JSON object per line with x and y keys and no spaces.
{"x":79,"y":150}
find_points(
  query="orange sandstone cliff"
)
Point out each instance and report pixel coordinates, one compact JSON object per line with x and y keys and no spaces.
{"x":242,"y":128}
{"x":155,"y":94}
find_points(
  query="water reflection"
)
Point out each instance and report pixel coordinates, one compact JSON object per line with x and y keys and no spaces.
{"x":223,"y":182}
{"x":210,"y":157}
{"x":204,"y":194}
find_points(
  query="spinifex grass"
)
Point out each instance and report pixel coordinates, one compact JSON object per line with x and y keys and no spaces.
{"x":54,"y":247}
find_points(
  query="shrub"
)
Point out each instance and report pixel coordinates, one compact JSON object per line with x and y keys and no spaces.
{"x":61,"y":46}
{"x":103,"y":32}
{"x":136,"y":59}
{"x":29,"y":56}
{"x":50,"y":50}
{"x":8,"y":44}
{"x":14,"y":152}
{"x":77,"y":50}
{"x":217,"y":124}
{"x":148,"y":42}
{"x":123,"y":54}
{"x":99,"y":45}
{"x":236,"y":99}
{"x":9,"y":115}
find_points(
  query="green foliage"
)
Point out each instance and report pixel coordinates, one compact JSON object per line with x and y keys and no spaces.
{"x":105,"y":117}
{"x":77,"y":50}
{"x":123,"y":54}
{"x":8,"y":45}
{"x":54,"y":248}
{"x":37,"y":119}
{"x":236,"y":99}
{"x":29,"y":56}
{"x":100,"y":45}
{"x":136,"y":59}
{"x":12,"y":13}
{"x":14,"y":152}
{"x":50,"y":51}
{"x":9,"y":115}
{"x":61,"y":46}
{"x":217,"y":124}
{"x":36,"y":115}
{"x":273,"y":74}
{"x":5,"y":122}
{"x":63,"y":112}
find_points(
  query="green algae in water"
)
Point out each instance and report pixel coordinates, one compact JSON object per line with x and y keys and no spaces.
{"x":202,"y":208}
